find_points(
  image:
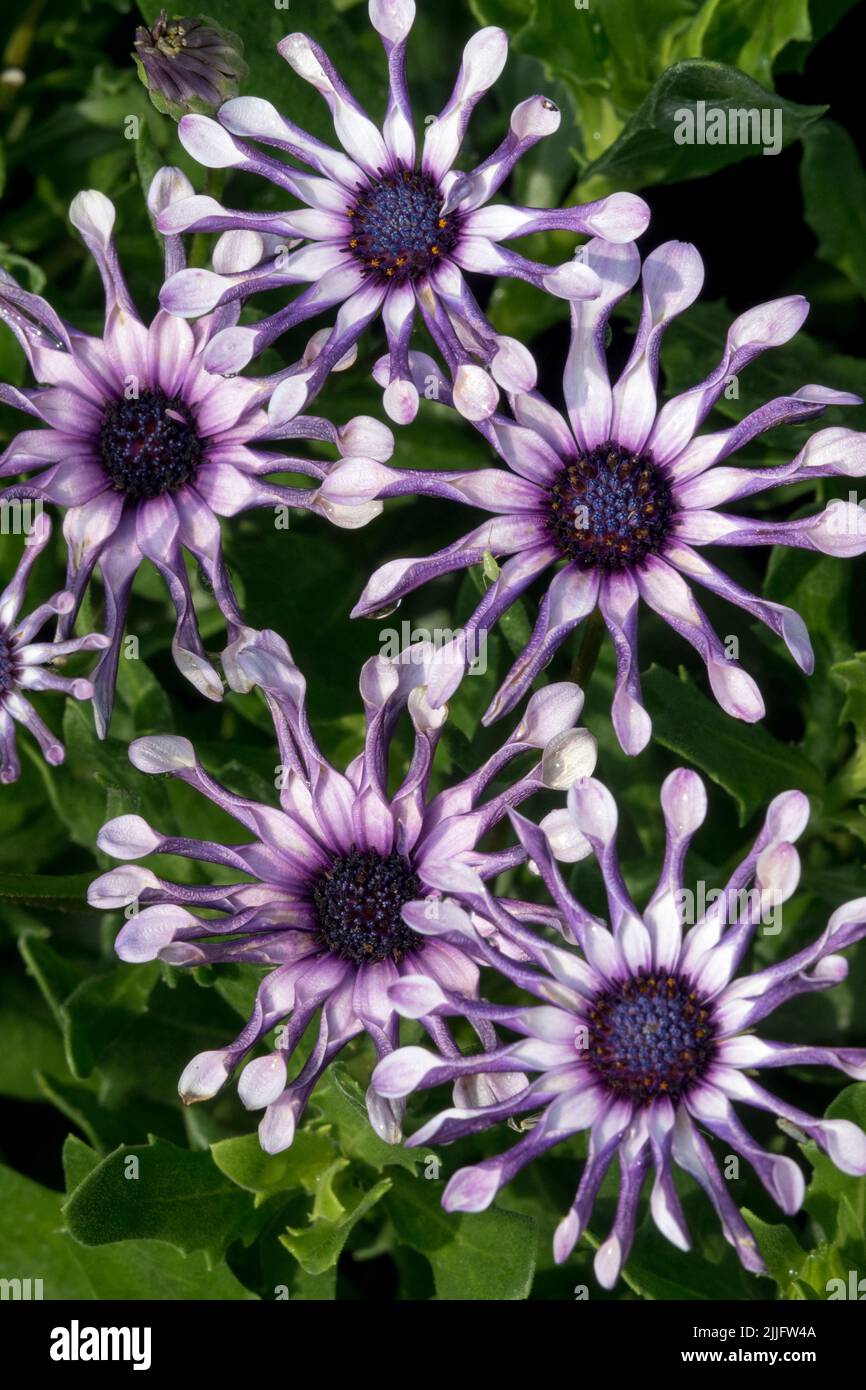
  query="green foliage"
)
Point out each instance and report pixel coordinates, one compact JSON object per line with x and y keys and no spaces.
{"x":629,"y":66}
{"x":125,"y":1269}
{"x":488,"y":1256}
{"x":183,"y":1199}
{"x":646,"y":150}
{"x":834,"y":194}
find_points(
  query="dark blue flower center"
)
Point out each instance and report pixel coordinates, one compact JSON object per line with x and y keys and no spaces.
{"x":650,"y":1036}
{"x":7,"y":665}
{"x":610,"y":507}
{"x":358,"y":904}
{"x":149,"y":445}
{"x":398,"y":231}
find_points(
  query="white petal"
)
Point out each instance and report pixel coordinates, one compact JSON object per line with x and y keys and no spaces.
{"x":203,"y":1077}
{"x":127,"y":837}
{"x":162,"y":753}
{"x":568,"y":757}
{"x":262,"y":1081}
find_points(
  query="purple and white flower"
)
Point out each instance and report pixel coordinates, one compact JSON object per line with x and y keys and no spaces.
{"x":146,"y":450}
{"x":384,"y":232}
{"x":623,"y":496}
{"x":645,"y":1035}
{"x":29,"y":665}
{"x":323,"y":880}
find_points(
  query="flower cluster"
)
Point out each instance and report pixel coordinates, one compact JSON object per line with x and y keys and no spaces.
{"x":373,"y":893}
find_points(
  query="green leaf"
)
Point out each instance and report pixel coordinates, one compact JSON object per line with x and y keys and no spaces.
{"x":55,"y":975}
{"x":145,"y":1061}
{"x":747,"y":761}
{"x":852,"y":675}
{"x":34,"y":280}
{"x":314,"y":1288}
{"x":834,"y":195}
{"x":489,"y":1255}
{"x":825,"y":16}
{"x":79,"y":1161}
{"x":159,"y":1192}
{"x":238,"y":985}
{"x":750,"y":34}
{"x":783,"y":1255}
{"x":319,"y":1247}
{"x":628,"y":65}
{"x":104,"y":1125}
{"x":662,"y":141}
{"x":801,"y":1275}
{"x":607,"y":53}
{"x":147,"y":156}
{"x":94,"y":1013}
{"x":102,"y":1009}
{"x":282,"y":1276}
{"x":299,"y":1168}
{"x":32,"y":1244}
{"x":31,"y":1038}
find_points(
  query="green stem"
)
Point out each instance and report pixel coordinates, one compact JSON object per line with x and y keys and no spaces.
{"x":590,"y":646}
{"x":60,"y":892}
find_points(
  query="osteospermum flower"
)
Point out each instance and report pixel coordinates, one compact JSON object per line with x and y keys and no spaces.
{"x":146,"y":450}
{"x":384,"y":231}
{"x":623,"y":496}
{"x":645,"y":1038}
{"x":26,"y":664}
{"x":326,"y":877}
